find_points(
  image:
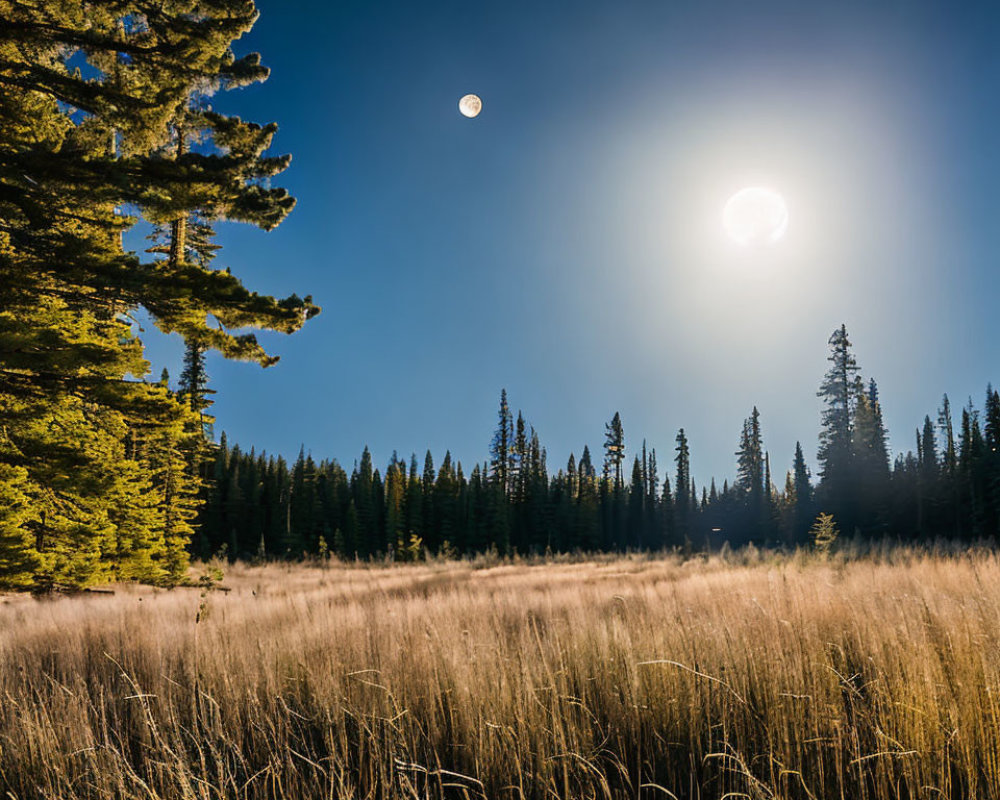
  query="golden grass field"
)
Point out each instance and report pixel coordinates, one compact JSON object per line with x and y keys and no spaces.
{"x":744,"y":675}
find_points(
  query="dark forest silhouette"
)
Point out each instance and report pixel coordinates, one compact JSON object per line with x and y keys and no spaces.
{"x":261,"y":506}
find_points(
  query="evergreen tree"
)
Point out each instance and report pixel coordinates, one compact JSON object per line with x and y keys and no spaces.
{"x":395,"y":493}
{"x":949,"y":458}
{"x":950,"y":479}
{"x":636,"y":507}
{"x":446,"y":491}
{"x":682,"y":503}
{"x":19,"y":557}
{"x":500,"y":447}
{"x":839,"y":394}
{"x":927,"y":479}
{"x":751,"y":481}
{"x":100,"y":449}
{"x":614,"y":450}
{"x":804,"y":507}
{"x":363,"y":493}
{"x":653,"y":534}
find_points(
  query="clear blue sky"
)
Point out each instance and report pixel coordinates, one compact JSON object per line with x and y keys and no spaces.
{"x":566,"y":244}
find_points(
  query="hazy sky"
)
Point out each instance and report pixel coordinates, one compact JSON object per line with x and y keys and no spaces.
{"x":567,"y":243}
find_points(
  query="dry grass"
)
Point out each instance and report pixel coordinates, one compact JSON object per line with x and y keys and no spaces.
{"x":745,"y":676}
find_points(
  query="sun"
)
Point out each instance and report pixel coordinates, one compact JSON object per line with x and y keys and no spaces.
{"x":755,"y":217}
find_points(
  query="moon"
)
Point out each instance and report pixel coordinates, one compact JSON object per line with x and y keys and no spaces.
{"x":470,"y":105}
{"x":755,"y":217}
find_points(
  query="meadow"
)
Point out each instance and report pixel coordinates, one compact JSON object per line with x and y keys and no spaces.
{"x":862,"y":675}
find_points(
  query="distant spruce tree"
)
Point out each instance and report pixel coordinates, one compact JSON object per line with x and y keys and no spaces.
{"x":652,"y":529}
{"x":395,"y":496}
{"x":971,"y":494}
{"x":928,"y":479}
{"x":751,"y":480}
{"x":804,"y":508}
{"x":682,"y":501}
{"x":414,"y":507}
{"x":614,"y":450}
{"x":587,"y":525}
{"x":951,"y":488}
{"x":839,"y":395}
{"x":636,"y":508}
{"x":500,"y":447}
{"x":870,"y":461}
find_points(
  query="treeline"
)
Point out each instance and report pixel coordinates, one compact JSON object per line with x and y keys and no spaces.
{"x":260,"y":506}
{"x":106,"y":121}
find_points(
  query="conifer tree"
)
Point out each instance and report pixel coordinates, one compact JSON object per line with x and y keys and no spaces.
{"x":636,"y":507}
{"x":587,"y":526}
{"x":75,"y":151}
{"x":991,"y":461}
{"x":519,"y":460}
{"x":500,"y":447}
{"x":804,"y":507}
{"x":395,"y":491}
{"x":949,"y":458}
{"x":839,"y":394}
{"x":18,"y":554}
{"x":446,"y":491}
{"x":950,"y":478}
{"x":652,"y":525}
{"x":927,"y":479}
{"x":682,"y":503}
{"x":751,"y":480}
{"x":614,"y":450}
{"x":668,"y":514}
{"x":879,"y":445}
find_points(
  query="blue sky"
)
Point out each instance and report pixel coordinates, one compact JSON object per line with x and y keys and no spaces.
{"x":567,"y":243}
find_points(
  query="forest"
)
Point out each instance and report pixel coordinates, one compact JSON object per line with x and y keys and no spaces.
{"x":257,"y":506}
{"x":108,"y":132}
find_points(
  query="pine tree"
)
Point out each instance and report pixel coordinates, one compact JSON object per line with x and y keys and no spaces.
{"x":751,"y":481}
{"x":950,"y":478}
{"x":363,"y":492}
{"x":194,"y":389}
{"x":804,"y":507}
{"x":500,"y":447}
{"x":99,"y":447}
{"x":870,"y":461}
{"x":949,"y":458}
{"x":682,"y":502}
{"x":991,"y":461}
{"x":927,"y":478}
{"x":750,"y":459}
{"x":636,"y":507}
{"x":839,"y":394}
{"x":18,"y":554}
{"x":614,"y":450}
{"x":446,"y":491}
{"x":518,"y":468}
{"x":652,"y":535}
{"x":395,"y":493}
{"x":879,"y":445}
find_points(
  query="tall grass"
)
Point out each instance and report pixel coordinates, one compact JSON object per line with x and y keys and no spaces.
{"x":741,"y":676}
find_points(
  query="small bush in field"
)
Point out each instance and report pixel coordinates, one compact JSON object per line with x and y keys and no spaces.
{"x":823,"y":533}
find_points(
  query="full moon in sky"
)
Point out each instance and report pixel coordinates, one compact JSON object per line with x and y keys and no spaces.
{"x":470,"y":105}
{"x":755,"y":216}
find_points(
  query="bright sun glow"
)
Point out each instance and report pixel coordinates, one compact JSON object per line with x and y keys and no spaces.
{"x":755,"y":217}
